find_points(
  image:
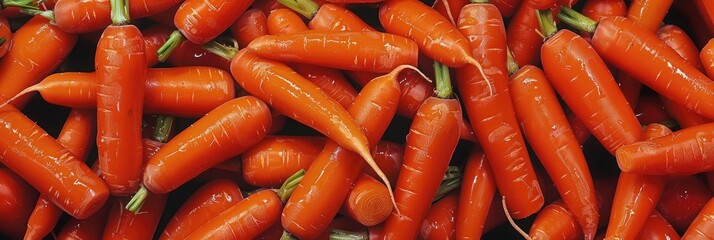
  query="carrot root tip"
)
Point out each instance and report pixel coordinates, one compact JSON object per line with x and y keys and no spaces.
{"x":510,"y":220}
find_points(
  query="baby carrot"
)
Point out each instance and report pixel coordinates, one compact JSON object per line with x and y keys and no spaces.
{"x":205,"y":203}
{"x":368,"y":202}
{"x":275,"y":158}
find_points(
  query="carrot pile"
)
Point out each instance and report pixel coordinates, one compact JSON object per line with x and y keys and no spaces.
{"x":356,"y":119}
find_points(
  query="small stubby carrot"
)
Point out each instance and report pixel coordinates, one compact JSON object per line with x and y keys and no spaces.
{"x":598,"y":9}
{"x":79,"y":16}
{"x":683,"y":198}
{"x":373,"y":109}
{"x":275,"y":158}
{"x":588,"y":89}
{"x":440,"y":221}
{"x":5,"y":36}
{"x":209,"y":141}
{"x":555,"y":221}
{"x":357,"y":51}
{"x":545,"y":126}
{"x":491,"y":110}
{"x":656,"y":227}
{"x":636,"y":196}
{"x":281,"y":88}
{"x":77,"y":135}
{"x":368,"y":202}
{"x":17,"y":205}
{"x":244,"y":220}
{"x":388,"y":156}
{"x":250,"y":25}
{"x":89,"y":228}
{"x":48,"y":170}
{"x":477,"y":192}
{"x":707,"y":57}
{"x":648,"y":13}
{"x":429,"y":146}
{"x":29,"y":60}
{"x":205,"y":203}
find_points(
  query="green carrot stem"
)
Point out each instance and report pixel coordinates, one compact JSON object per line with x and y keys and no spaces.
{"x":290,"y":184}
{"x":221,"y":50}
{"x":577,"y":20}
{"x":120,"y":12}
{"x":137,"y":200}
{"x":287,"y":236}
{"x":25,"y":4}
{"x":547,"y":24}
{"x":511,"y":64}
{"x":446,"y":187}
{"x":49,"y":14}
{"x":339,"y":234}
{"x":307,"y":8}
{"x":443,"y":81}
{"x":163,"y":128}
{"x":175,"y":39}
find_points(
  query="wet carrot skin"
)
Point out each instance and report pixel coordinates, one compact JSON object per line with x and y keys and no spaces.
{"x":707,"y":57}
{"x":657,"y":227}
{"x":440,"y":220}
{"x":648,"y":13}
{"x":555,"y":221}
{"x":334,"y":17}
{"x":250,"y":25}
{"x":683,"y":198}
{"x":450,"y":9}
{"x":89,"y":228}
{"x":79,"y":16}
{"x":275,"y":158}
{"x":389,"y":156}
{"x":477,"y":192}
{"x":17,"y":205}
{"x":598,"y":9}
{"x":202,"y":21}
{"x":703,"y":226}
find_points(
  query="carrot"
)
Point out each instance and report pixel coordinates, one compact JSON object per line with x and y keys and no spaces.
{"x":555,"y":221}
{"x":506,"y":7}
{"x":377,"y":52}
{"x":186,"y":53}
{"x":267,"y":6}
{"x":707,"y":57}
{"x":523,"y":37}
{"x":656,"y":227}
{"x":599,"y":9}
{"x":5,"y":36}
{"x":200,"y":21}
{"x":209,"y":141}
{"x":682,"y":199}
{"x":588,"y":89}
{"x":546,"y":128}
{"x":541,"y":4}
{"x":373,"y":109}
{"x":76,"y":135}
{"x":30,"y":59}
{"x":477,"y":191}
{"x":270,"y":162}
{"x":636,"y":196}
{"x":17,"y":205}
{"x":244,"y":220}
{"x":678,"y":40}
{"x":430,"y":145}
{"x":166,"y":17}
{"x":450,"y":9}
{"x":250,"y":25}
{"x":281,"y":21}
{"x":702,"y":227}
{"x":648,"y":13}
{"x":388,"y":156}
{"x":610,"y":36}
{"x":368,"y":202}
{"x":334,"y":17}
{"x":317,"y":111}
{"x":490,"y":109}
{"x":439,"y":222}
{"x":124,"y":224}
{"x":80,"y":16}
{"x":205,"y":203}
{"x":651,"y":110}
{"x":89,"y":228}
{"x":706,"y":11}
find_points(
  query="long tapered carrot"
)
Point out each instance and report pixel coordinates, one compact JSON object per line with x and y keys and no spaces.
{"x":588,"y":89}
{"x":368,"y":202}
{"x":477,"y":191}
{"x":648,"y":13}
{"x":17,"y":205}
{"x":373,"y":110}
{"x":30,"y":59}
{"x":205,"y":203}
{"x":270,"y":162}
{"x":657,"y":227}
{"x":281,"y":87}
{"x":682,"y":199}
{"x":429,"y":147}
{"x":490,"y":109}
{"x":676,"y":79}
{"x":77,"y":134}
{"x":707,"y":57}
{"x":252,"y":24}
{"x":546,"y":128}
{"x":636,"y":196}
{"x":219,"y":130}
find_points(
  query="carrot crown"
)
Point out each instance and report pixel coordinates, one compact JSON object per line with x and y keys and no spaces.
{"x":120,"y":12}
{"x":222,"y":50}
{"x":547,"y":24}
{"x":443,"y":81}
{"x":577,"y":20}
{"x":307,"y":8}
{"x":512,"y":64}
{"x":25,"y":4}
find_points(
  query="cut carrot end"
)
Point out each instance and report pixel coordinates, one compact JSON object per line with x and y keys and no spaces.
{"x":20,"y":94}
{"x":476,"y":64}
{"x":370,"y":161}
{"x":137,"y":200}
{"x":290,"y":184}
{"x":171,"y":44}
{"x":339,"y":234}
{"x":513,"y":223}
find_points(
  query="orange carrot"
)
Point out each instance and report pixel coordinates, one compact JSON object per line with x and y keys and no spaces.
{"x":368,"y":202}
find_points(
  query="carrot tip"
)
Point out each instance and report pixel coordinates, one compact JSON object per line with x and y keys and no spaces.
{"x":510,"y":220}
{"x":20,"y":94}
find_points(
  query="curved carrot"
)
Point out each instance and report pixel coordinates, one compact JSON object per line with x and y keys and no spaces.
{"x":388,"y":156}
{"x":276,"y":83}
{"x":546,"y":128}
{"x":80,"y":16}
{"x":614,"y":34}
{"x":682,"y":200}
{"x":219,"y":129}
{"x":377,"y":52}
{"x":599,"y":9}
{"x":275,"y":158}
{"x":707,"y":57}
{"x":450,"y":9}
{"x":555,"y":221}
{"x":244,"y":220}
{"x":250,"y":25}
{"x":477,"y":191}
{"x":490,"y":109}
{"x":29,"y":60}
{"x":5,"y":36}
{"x":368,"y":202}
{"x":89,"y":228}
{"x":20,"y":142}
{"x":648,"y":13}
{"x":636,"y":196}
{"x":657,"y":227}
{"x":205,"y":203}
{"x":429,"y":146}
{"x":589,"y":89}
{"x":17,"y":205}
{"x":439,"y":222}
{"x":77,"y":134}
{"x":373,"y":110}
